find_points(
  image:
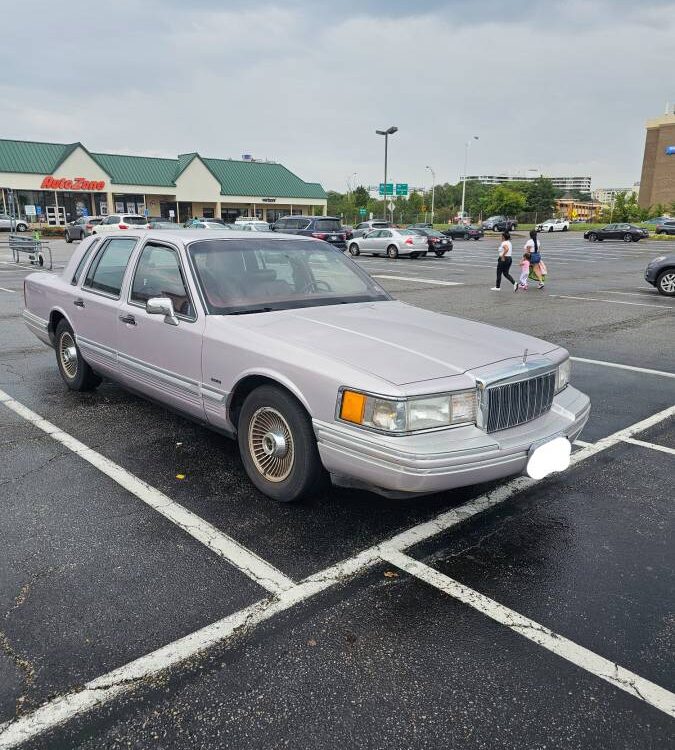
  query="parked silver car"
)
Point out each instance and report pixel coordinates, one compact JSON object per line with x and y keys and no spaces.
{"x":289,"y":346}
{"x":20,"y":225}
{"x":391,"y":242}
{"x":81,"y":228}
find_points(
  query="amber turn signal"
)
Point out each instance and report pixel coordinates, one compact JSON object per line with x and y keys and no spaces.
{"x":353,"y":406}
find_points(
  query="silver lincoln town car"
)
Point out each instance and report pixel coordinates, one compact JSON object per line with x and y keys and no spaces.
{"x":287,"y":345}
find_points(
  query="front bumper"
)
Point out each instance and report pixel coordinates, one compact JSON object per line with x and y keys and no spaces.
{"x":444,"y":459}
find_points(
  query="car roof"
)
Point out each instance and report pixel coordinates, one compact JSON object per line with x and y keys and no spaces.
{"x":186,"y":236}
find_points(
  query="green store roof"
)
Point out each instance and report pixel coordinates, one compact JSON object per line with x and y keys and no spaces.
{"x":249,"y":178}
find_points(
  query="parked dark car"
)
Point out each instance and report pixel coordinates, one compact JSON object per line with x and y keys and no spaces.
{"x":421,"y":225}
{"x":661,"y":273}
{"x":327,"y":228}
{"x":625,"y":232}
{"x":438,"y":243}
{"x":81,"y":228}
{"x":666,"y":227}
{"x":464,"y":232}
{"x":499,"y":224}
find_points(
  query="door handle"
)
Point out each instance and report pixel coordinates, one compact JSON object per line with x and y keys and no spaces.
{"x":128,"y":319}
{"x":79,"y":302}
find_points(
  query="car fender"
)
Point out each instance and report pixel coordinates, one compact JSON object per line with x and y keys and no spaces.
{"x":270,"y":374}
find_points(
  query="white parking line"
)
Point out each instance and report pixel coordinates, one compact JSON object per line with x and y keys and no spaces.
{"x":610,"y":301}
{"x":417,"y":280}
{"x":11,"y":291}
{"x":223,"y":545}
{"x":653,"y":446}
{"x":645,"y":370}
{"x":582,"y":443}
{"x":126,"y":678}
{"x":607,"y":670}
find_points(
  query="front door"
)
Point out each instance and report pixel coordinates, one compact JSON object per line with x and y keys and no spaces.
{"x":95,"y":308}
{"x":156,"y":357}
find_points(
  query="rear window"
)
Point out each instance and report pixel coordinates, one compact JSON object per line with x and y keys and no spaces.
{"x":105,"y":274}
{"x":328,"y":225}
{"x":135,"y":220}
{"x":94,"y":222}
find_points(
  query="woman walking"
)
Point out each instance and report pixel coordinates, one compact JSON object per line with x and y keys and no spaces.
{"x":533,"y":247}
{"x":504,"y":261}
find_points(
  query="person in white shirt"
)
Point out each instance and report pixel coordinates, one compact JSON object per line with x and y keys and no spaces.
{"x":504,"y":261}
{"x":533,"y":247}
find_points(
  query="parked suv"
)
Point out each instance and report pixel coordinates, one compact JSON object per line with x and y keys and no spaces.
{"x":499,"y":224}
{"x":81,"y":228}
{"x":121,"y":221}
{"x":328,"y":228}
{"x":666,"y":227}
{"x":367,"y":226}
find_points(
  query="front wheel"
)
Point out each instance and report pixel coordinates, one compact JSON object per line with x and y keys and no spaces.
{"x":592,"y":237}
{"x":550,"y":229}
{"x":354,"y":249}
{"x":21,"y":227}
{"x":392,"y":251}
{"x":564,"y":229}
{"x":439,"y":253}
{"x":665,"y":284}
{"x":278,"y":447}
{"x":67,"y":237}
{"x":76,"y":373}
{"x":466,"y":235}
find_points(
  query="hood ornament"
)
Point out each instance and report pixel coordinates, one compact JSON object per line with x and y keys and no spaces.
{"x":525,"y":357}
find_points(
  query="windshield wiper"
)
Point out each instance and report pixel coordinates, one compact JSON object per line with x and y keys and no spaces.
{"x":251,"y":310}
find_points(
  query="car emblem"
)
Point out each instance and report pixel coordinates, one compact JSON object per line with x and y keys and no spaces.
{"x":525,"y":357}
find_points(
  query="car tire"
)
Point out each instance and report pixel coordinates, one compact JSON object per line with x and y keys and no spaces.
{"x":354,"y":249}
{"x":272,"y":420}
{"x":21,"y":227}
{"x":628,"y":237}
{"x":550,"y":229}
{"x":665,"y":283}
{"x":76,"y":373}
{"x":439,"y":253}
{"x":592,"y":237}
{"x":564,"y":229}
{"x":67,"y":237}
{"x":392,"y":252}
{"x":414,"y":256}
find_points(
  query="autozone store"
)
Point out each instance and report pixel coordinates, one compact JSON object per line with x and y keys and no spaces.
{"x":58,"y":183}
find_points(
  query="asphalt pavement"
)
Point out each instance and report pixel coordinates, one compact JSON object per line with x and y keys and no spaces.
{"x":509,"y":615}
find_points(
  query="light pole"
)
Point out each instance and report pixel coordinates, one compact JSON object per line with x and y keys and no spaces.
{"x":466,"y":161}
{"x":433,"y":190}
{"x":386,"y":133}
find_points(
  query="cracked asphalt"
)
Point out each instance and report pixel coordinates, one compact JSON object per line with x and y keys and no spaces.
{"x":91,"y":578}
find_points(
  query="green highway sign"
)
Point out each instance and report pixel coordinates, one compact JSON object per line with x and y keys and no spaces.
{"x":362,"y":212}
{"x":401,"y":188}
{"x":390,"y":188}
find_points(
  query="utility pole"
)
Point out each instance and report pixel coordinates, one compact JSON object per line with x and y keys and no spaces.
{"x":433,"y":191}
{"x":466,"y":162}
{"x":386,"y":133}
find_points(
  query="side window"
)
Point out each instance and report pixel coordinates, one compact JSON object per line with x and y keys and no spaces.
{"x":385,"y":233}
{"x":105,"y":274}
{"x":83,"y":262}
{"x":158,"y":274}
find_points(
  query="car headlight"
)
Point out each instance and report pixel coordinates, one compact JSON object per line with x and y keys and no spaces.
{"x":562,"y":375}
{"x":407,"y":415}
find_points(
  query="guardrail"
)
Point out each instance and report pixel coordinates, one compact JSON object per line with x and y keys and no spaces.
{"x":36,"y":250}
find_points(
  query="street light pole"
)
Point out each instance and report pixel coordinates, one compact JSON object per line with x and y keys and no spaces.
{"x":466,"y":162}
{"x":433,"y":191}
{"x":386,"y":133}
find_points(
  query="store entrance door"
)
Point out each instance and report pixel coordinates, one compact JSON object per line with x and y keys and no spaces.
{"x":56,"y":216}
{"x":184,"y":212}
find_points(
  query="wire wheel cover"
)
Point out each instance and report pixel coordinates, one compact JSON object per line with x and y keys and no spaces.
{"x":68,"y":355}
{"x":270,"y":444}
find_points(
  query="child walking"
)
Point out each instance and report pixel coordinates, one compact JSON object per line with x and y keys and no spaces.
{"x":524,"y":271}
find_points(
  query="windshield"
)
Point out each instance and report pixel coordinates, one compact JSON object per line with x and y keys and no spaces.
{"x":240,"y":276}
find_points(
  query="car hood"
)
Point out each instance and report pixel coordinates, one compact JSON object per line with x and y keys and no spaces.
{"x":394,"y":341}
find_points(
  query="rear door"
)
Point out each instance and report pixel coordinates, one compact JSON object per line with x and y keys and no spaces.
{"x":155,"y":357}
{"x":96,"y":304}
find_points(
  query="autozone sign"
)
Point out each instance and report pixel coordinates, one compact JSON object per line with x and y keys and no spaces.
{"x":78,"y":183}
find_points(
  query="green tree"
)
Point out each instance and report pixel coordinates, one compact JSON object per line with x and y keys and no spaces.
{"x":361,"y":197}
{"x":504,"y":201}
{"x":541,"y":196}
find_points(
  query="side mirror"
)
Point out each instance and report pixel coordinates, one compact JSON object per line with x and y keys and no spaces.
{"x":162,"y":306}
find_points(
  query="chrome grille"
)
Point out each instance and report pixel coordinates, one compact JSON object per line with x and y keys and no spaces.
{"x":515,"y":403}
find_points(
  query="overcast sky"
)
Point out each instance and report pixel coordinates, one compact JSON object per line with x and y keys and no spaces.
{"x":561,"y":87}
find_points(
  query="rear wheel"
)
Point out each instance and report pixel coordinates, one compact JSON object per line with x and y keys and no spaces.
{"x":354,"y":249}
{"x":67,"y":237}
{"x":628,"y":237}
{"x":564,"y":229}
{"x":550,"y":229}
{"x":278,"y":447}
{"x":665,"y":284}
{"x":466,"y":235}
{"x":21,"y":227}
{"x":439,"y":253}
{"x":76,"y":373}
{"x":392,"y":251}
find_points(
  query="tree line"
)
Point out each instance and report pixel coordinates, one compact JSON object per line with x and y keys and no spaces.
{"x":529,"y":201}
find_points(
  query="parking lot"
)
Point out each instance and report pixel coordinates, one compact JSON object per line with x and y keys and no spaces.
{"x":151,"y":597}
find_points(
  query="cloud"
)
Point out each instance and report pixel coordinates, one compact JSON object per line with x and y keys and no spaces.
{"x":560,"y":87}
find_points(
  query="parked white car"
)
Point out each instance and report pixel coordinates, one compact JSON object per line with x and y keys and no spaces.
{"x":115,"y":222}
{"x":553,"y":225}
{"x":391,"y":242}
